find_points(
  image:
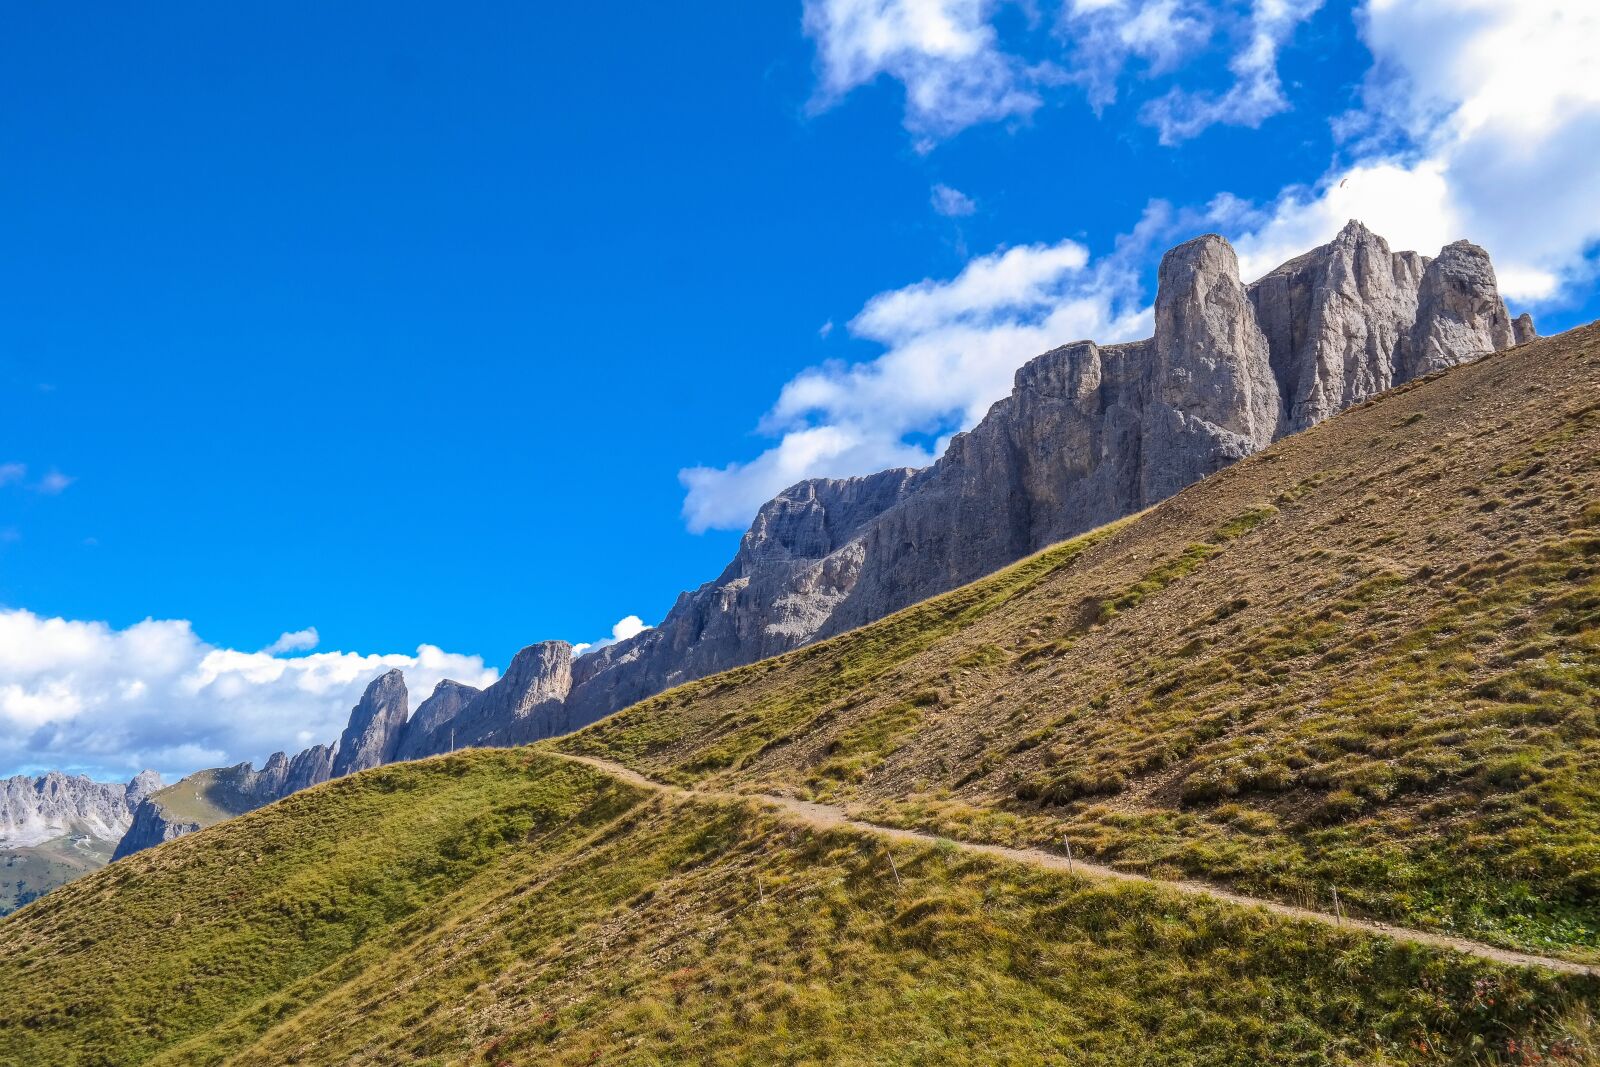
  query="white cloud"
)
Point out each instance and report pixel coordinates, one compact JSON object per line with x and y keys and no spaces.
{"x":624,"y":628}
{"x":957,"y":71}
{"x":12,"y":472}
{"x":1481,"y":120}
{"x":1106,"y":34}
{"x":944,"y":52}
{"x":294,"y":641}
{"x":952,"y":203}
{"x":951,"y":349}
{"x":628,"y":626}
{"x":53,"y":483}
{"x":1256,"y":93}
{"x":82,"y":696}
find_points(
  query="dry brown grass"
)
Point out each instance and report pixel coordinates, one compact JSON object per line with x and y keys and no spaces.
{"x":1364,"y":659}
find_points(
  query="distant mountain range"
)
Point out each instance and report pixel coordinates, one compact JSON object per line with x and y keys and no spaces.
{"x":1089,"y":434}
{"x":56,"y":827}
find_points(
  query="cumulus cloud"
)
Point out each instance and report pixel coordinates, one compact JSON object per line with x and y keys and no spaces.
{"x":83,"y":696}
{"x":624,"y":628}
{"x":294,"y":641}
{"x":1480,"y":120}
{"x":950,"y":350}
{"x":952,"y":203}
{"x":946,"y":54}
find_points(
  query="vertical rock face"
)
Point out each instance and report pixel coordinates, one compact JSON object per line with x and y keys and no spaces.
{"x":1459,"y":312}
{"x":1213,"y":398}
{"x":1337,"y":321}
{"x":787,"y":578}
{"x":311,"y":767}
{"x":526,"y":704}
{"x":446,"y":702}
{"x":376,"y":723}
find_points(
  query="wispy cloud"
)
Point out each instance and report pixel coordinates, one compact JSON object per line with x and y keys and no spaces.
{"x":12,"y":472}
{"x":957,"y":70}
{"x":944,"y":52}
{"x":1256,"y":93}
{"x":294,"y":641}
{"x":53,"y":483}
{"x":952,"y":203}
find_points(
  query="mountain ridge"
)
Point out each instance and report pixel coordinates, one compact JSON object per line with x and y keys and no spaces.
{"x":1089,"y":434}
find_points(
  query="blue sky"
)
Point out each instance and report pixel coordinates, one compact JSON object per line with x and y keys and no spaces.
{"x":404,"y":321}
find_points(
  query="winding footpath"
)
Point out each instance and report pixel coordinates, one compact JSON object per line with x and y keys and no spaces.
{"x":828,"y":817}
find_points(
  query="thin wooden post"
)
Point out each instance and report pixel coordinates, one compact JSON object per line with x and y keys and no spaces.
{"x":1066,"y":841}
{"x":762,"y":893}
{"x":1338,"y":912}
{"x":893,"y":868}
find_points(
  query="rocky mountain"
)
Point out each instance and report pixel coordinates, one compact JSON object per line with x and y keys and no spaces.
{"x":34,"y":810}
{"x":433,"y":717}
{"x":56,"y":827}
{"x":1089,"y":434}
{"x":526,"y":704}
{"x":373,"y":734}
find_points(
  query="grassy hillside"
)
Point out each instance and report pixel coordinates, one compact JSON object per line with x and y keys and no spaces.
{"x":1366,"y":660}
{"x":206,"y":797}
{"x":510,"y":907}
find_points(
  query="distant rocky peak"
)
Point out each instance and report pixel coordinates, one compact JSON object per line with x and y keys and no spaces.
{"x":429,"y":730}
{"x":376,"y":723}
{"x":540,"y":672}
{"x":1522,"y":329}
{"x":140,"y":786}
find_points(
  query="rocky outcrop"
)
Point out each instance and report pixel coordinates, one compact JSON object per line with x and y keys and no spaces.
{"x":790,"y":575}
{"x":432,"y":718}
{"x":306,"y":769}
{"x":1459,"y":312}
{"x":376,"y":723}
{"x":526,"y":704}
{"x":1522,"y":329}
{"x":1337,"y":321}
{"x":35,"y":810}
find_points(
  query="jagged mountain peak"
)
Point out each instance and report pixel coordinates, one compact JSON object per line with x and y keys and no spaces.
{"x":376,"y":722}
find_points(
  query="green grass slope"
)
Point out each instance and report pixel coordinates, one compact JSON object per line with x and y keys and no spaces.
{"x":509,"y":907}
{"x":1364,"y":661}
